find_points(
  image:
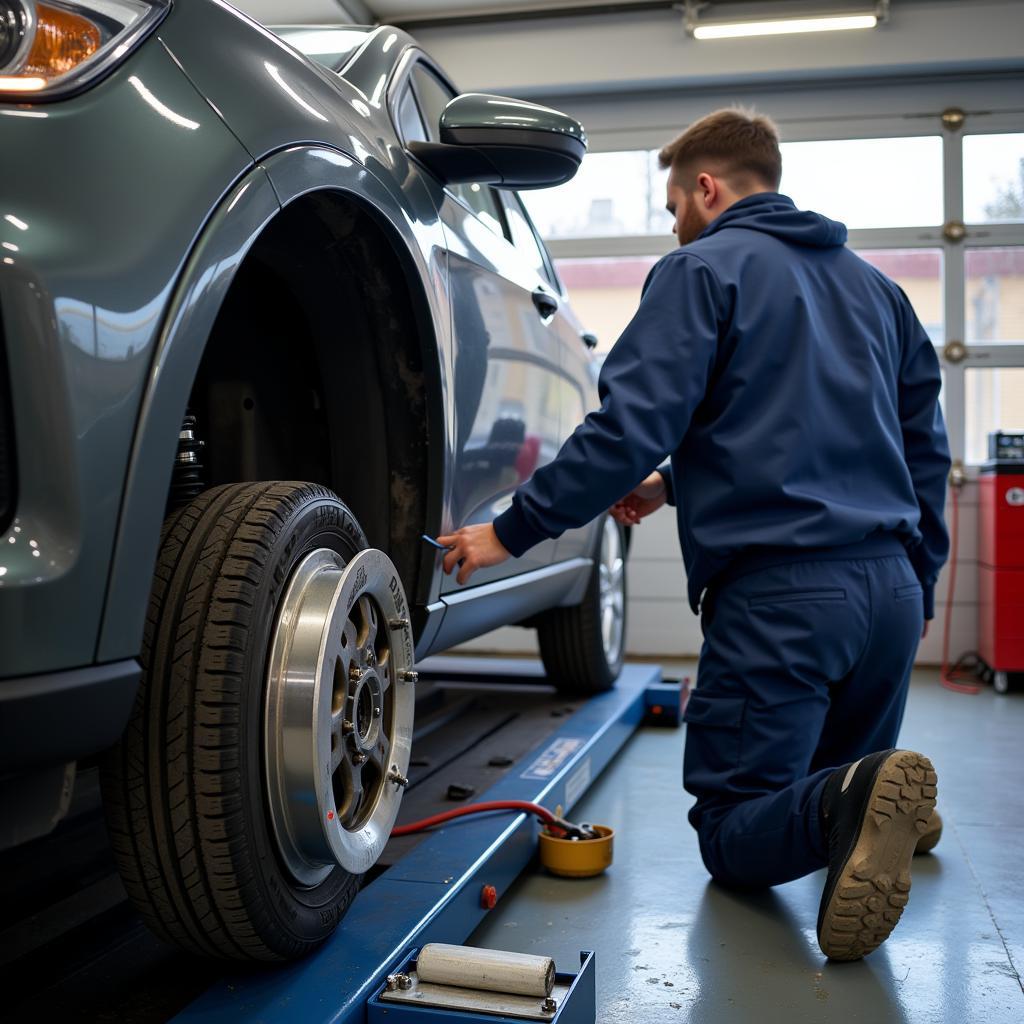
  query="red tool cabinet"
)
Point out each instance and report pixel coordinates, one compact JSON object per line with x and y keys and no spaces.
{"x":1001,"y":566}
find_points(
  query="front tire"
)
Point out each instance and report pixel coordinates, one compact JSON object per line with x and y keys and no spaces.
{"x":198,"y":808}
{"x":583,"y":646}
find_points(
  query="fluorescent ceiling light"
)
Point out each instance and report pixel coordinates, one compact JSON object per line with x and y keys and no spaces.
{"x":785,"y":17}
{"x":784,"y":26}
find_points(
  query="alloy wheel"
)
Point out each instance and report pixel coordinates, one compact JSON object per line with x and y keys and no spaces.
{"x":612,"y":591}
{"x":338,"y":713}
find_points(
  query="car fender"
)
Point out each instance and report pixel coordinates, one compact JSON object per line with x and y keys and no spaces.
{"x":232,"y":231}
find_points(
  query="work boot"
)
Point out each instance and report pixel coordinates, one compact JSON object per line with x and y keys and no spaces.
{"x":931,"y":835}
{"x":874,"y":811}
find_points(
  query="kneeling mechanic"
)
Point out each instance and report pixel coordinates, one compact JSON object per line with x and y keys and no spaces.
{"x":796,"y":394}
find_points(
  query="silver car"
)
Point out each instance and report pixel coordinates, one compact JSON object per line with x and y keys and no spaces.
{"x":272,"y":311}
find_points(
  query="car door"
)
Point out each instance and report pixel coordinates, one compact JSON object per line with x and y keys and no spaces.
{"x":506,"y":359}
{"x":577,"y":384}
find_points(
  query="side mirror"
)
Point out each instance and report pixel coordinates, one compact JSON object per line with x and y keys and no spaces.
{"x":504,"y":142}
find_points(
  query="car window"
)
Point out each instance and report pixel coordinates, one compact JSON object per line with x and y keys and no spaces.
{"x":434,"y":96}
{"x":410,"y":123}
{"x":525,"y":239}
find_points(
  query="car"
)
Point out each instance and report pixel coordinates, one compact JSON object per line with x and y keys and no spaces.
{"x":274,"y":316}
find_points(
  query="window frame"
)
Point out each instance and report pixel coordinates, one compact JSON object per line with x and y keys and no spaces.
{"x":404,"y":82}
{"x":956,"y":356}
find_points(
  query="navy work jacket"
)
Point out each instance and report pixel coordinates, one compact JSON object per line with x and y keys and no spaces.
{"x":791,"y":384}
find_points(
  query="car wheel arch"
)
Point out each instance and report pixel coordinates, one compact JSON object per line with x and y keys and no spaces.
{"x":249,"y":211}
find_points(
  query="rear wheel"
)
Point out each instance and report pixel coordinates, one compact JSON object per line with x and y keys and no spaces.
{"x":261,"y":771}
{"x":582,"y":646}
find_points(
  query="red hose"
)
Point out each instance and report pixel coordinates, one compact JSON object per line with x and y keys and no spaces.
{"x":947,"y":678}
{"x":491,"y":805}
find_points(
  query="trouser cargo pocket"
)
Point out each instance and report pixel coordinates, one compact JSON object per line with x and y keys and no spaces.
{"x":714,"y":726}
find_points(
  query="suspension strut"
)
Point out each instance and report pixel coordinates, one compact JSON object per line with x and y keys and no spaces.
{"x":188,"y":478}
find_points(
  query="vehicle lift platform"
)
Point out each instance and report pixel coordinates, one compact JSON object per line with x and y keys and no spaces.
{"x":489,"y":729}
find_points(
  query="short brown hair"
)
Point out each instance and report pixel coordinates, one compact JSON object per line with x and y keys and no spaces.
{"x":740,"y":142}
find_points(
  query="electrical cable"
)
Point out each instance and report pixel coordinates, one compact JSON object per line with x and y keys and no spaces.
{"x":490,"y":805}
{"x":950,"y":677}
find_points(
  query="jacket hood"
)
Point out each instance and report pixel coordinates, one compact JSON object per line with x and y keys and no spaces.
{"x":777,"y":215}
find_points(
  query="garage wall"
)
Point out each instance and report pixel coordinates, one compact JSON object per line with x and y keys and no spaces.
{"x":662,"y":625}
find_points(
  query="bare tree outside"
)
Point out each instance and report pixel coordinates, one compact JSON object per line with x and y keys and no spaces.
{"x":1009,"y":202}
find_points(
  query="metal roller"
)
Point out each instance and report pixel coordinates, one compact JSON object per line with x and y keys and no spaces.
{"x":488,"y":970}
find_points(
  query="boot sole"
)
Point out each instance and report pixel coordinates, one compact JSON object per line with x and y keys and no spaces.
{"x":874,"y":883}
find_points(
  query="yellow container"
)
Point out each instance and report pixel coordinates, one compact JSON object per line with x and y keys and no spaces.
{"x":577,"y":858}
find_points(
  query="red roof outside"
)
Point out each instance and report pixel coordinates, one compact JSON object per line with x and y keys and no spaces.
{"x":630,"y":272}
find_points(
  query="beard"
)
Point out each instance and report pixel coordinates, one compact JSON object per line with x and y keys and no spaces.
{"x":692,"y":224}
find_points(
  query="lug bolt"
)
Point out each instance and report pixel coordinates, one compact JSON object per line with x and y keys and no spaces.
{"x":376,"y":712}
{"x":408,"y":676}
{"x":397,"y":777}
{"x":355,"y":673}
{"x":358,"y":759}
{"x":370,"y":656}
{"x":399,"y":623}
{"x":347,"y":727}
{"x":401,"y":981}
{"x":549,"y":1005}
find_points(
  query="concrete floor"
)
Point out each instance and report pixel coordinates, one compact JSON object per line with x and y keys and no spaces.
{"x":673,"y":947}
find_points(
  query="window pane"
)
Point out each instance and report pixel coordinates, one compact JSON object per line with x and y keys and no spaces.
{"x":604,"y":293}
{"x":919,"y":273}
{"x":995,"y":401}
{"x":993,"y":178}
{"x":995,"y":295}
{"x":623,"y":193}
{"x":483,"y":201}
{"x":434,"y":97}
{"x":612,"y":194}
{"x":410,"y":123}
{"x":523,"y":237}
{"x":845,"y":180}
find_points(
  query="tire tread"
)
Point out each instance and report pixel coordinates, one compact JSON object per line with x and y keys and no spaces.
{"x":173,"y":787}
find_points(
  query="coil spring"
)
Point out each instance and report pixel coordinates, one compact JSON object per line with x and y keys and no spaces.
{"x":188,"y":479}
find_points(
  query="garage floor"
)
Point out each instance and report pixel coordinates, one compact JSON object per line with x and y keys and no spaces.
{"x":672,"y":947}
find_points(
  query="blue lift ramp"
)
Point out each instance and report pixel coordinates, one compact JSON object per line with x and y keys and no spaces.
{"x":433,"y":894}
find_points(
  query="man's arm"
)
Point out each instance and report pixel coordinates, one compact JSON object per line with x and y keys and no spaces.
{"x":650,"y":384}
{"x":925,"y":449}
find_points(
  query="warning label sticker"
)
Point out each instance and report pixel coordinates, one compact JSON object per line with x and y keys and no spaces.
{"x":553,"y":758}
{"x":577,"y":783}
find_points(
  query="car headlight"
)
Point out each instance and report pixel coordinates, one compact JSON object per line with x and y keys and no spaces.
{"x":49,"y":48}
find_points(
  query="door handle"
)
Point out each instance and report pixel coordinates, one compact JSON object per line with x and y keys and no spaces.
{"x":546,"y":303}
{"x":588,"y":339}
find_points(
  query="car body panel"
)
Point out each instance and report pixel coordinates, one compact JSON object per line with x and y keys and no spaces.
{"x":235,"y":226}
{"x":82,"y":297}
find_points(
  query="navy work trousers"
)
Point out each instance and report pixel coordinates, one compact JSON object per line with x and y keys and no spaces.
{"x":805,"y":667}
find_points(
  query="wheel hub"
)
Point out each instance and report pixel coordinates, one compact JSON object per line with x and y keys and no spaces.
{"x":338,"y":714}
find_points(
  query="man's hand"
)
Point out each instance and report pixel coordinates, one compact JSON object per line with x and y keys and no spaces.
{"x":472,"y":548}
{"x":647,"y":497}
